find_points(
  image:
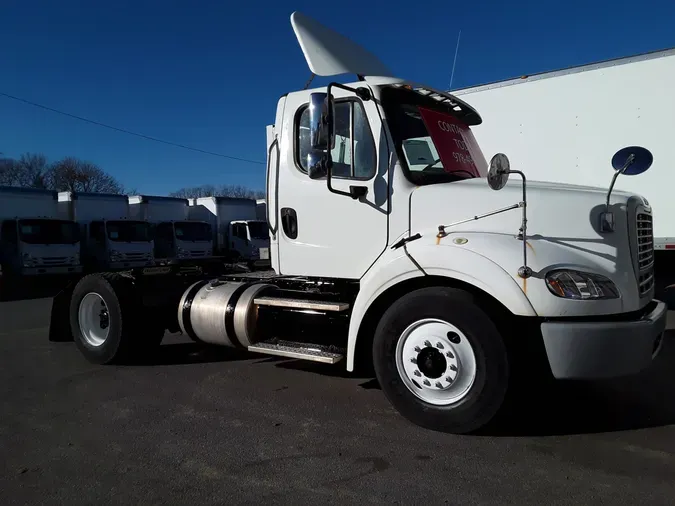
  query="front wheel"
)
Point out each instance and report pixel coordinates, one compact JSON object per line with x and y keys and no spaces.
{"x":441,"y":361}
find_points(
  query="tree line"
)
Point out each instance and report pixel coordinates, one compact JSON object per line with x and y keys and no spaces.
{"x":225,"y":190}
{"x":34,"y":170}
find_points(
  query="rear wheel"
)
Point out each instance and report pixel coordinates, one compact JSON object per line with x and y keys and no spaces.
{"x":107,"y":319}
{"x":441,"y":361}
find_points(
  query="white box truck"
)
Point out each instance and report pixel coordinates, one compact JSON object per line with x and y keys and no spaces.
{"x":33,"y":240}
{"x":174,"y":235}
{"x":110,"y":239}
{"x":563,"y":126}
{"x":455,"y":282}
{"x":239,"y":234}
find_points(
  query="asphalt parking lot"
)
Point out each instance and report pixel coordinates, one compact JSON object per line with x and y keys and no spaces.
{"x":222,"y":428}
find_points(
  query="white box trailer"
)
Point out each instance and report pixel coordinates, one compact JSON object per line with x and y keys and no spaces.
{"x":110,"y":238}
{"x":174,"y":235}
{"x":33,"y":240}
{"x":239,"y":234}
{"x":564,"y":126}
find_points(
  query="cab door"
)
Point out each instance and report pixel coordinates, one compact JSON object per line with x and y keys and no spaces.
{"x":320,"y":233}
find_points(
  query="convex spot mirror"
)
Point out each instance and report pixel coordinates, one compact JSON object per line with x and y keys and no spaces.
{"x":632,"y":160}
{"x":317,"y":165}
{"x":498,"y":173}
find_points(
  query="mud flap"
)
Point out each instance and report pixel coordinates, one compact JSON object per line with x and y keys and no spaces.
{"x":59,"y":321}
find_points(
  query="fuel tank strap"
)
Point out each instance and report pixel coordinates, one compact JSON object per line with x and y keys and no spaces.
{"x":187,"y":306}
{"x":229,"y":313}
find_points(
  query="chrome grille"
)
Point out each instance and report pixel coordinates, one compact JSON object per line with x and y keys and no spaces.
{"x":645,"y":252}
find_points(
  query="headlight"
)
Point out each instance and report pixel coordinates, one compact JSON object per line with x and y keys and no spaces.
{"x":580,"y":285}
{"x":183,"y":253}
{"x":28,"y":260}
{"x":115,"y":256}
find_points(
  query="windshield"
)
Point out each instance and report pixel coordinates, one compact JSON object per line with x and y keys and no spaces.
{"x":48,"y":232}
{"x":192,"y":231}
{"x":258,"y":230}
{"x":128,"y":231}
{"x":433,"y":144}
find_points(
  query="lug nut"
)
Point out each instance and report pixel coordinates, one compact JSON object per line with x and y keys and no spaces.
{"x":439,"y":345}
{"x":427,"y":344}
{"x":417,"y":373}
{"x":438,"y":384}
{"x":453,"y":367}
{"x":413,"y":360}
{"x":449,"y":354}
{"x":448,"y":379}
{"x":418,"y":349}
{"x":427,"y":383}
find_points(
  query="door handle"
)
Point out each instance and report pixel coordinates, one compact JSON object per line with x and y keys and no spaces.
{"x":289,"y":222}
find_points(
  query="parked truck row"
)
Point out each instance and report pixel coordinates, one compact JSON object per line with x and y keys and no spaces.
{"x":43,"y":232}
{"x":451,"y":276}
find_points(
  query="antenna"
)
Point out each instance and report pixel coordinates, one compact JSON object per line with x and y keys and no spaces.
{"x":311,"y":78}
{"x":452,"y":74}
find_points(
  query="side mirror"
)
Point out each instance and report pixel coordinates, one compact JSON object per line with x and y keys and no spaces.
{"x":321,"y":135}
{"x":317,"y":165}
{"x":629,"y":161}
{"x":632,"y":160}
{"x":498,"y":173}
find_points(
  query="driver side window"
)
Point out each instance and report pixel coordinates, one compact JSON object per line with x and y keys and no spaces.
{"x":354,"y":154}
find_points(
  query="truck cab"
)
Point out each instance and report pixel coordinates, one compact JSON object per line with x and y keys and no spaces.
{"x":349,"y":197}
{"x":117,"y":244}
{"x":238,"y":234}
{"x":183,"y":239}
{"x":33,"y":240}
{"x":250,"y":240}
{"x":39,"y":246}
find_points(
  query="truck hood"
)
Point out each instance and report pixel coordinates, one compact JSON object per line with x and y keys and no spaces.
{"x":562,"y":227}
{"x":560,"y":210}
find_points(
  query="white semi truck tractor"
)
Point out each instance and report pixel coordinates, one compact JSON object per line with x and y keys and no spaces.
{"x":426,"y":270}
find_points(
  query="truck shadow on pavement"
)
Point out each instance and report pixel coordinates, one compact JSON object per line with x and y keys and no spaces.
{"x":567,"y":408}
{"x":188,"y":353}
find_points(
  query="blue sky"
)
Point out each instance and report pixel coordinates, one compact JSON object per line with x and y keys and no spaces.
{"x":209,"y":74}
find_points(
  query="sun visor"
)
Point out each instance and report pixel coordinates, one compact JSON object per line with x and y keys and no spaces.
{"x":329,"y":53}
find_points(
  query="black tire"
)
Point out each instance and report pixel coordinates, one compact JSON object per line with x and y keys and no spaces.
{"x":487,"y":394}
{"x":128,"y":331}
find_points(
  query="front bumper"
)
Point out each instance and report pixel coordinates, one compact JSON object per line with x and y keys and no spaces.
{"x":604,"y":349}
{"x":52,"y":269}
{"x":131,"y":264}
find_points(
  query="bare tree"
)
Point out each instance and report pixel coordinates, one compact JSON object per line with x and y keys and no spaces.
{"x":32,"y":169}
{"x":218,"y":191}
{"x":71,"y":174}
{"x":9,"y":172}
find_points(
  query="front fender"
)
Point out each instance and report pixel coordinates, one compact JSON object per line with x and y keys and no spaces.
{"x":445,"y":260}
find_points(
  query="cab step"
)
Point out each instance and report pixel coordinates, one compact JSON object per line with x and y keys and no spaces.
{"x":316,"y":305}
{"x":301,"y":351}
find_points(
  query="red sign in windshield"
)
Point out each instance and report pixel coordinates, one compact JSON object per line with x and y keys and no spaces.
{"x":455,"y":143}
